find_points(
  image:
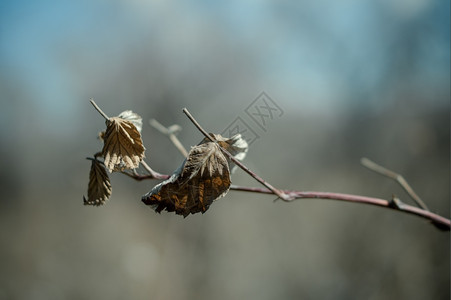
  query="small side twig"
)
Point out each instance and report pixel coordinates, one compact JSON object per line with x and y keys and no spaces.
{"x":153,"y":173}
{"x":98,"y":109}
{"x":94,"y":159}
{"x":395,"y":176}
{"x":139,"y":177}
{"x":170,"y":132}
{"x":275,"y":191}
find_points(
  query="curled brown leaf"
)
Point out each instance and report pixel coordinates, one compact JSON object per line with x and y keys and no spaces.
{"x":99,"y":188}
{"x":203,"y":177}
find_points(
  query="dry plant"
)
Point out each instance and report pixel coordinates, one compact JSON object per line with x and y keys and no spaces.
{"x":205,"y":174}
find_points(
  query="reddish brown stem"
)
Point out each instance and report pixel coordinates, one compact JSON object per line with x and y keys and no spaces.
{"x":139,"y":177}
{"x":439,"y":221}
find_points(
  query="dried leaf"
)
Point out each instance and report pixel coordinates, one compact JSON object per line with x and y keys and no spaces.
{"x":123,"y":147}
{"x":132,"y":117}
{"x":99,"y":188}
{"x":235,"y":145}
{"x":129,"y":116}
{"x":202,"y":178}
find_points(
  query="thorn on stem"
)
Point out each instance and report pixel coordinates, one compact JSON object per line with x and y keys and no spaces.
{"x":395,"y":202}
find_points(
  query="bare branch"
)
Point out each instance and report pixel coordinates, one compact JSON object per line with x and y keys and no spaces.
{"x":438,"y":221}
{"x":133,"y":174}
{"x":98,"y":109}
{"x":153,"y":173}
{"x":275,"y":191}
{"x":395,"y":176}
{"x":396,"y":204}
{"x":170,"y":132}
{"x":139,"y":177}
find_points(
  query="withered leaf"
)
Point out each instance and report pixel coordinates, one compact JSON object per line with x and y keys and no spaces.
{"x":235,"y":145}
{"x":123,"y":147}
{"x":203,"y":177}
{"x":129,"y":116}
{"x":99,"y":188}
{"x":132,"y":117}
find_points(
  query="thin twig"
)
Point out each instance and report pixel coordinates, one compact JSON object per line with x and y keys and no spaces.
{"x":153,"y":173}
{"x":171,"y":134}
{"x":139,"y":177}
{"x":98,"y":109}
{"x":94,"y":159}
{"x":395,"y":176}
{"x":275,"y":191}
{"x":135,"y":175}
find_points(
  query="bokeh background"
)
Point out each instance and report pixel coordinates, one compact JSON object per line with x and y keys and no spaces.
{"x":354,"y":79}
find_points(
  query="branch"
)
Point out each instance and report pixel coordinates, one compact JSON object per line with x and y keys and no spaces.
{"x":396,"y":204}
{"x":438,"y":221}
{"x":275,"y":191}
{"x":139,"y":177}
{"x":152,"y":174}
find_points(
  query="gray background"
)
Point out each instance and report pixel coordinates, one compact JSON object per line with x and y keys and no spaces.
{"x":354,"y":78}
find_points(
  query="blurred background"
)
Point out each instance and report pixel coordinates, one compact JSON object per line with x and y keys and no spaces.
{"x":353,"y":79}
